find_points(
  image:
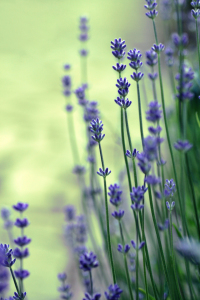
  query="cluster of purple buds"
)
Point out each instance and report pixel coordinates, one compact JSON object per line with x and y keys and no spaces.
{"x":124,"y":103}
{"x":118,"y":47}
{"x":158,"y":48}
{"x":196,"y":11}
{"x":118,"y":215}
{"x":170,"y":188}
{"x":170,"y":206}
{"x":113,"y":293}
{"x":138,"y":247}
{"x":80,"y":94}
{"x":79,"y":170}
{"x":88,"y":261}
{"x":154,"y":114}
{"x":70,"y":213}
{"x":115,"y":194}
{"x":64,"y":289}
{"x":21,"y":253}
{"x":97,"y":128}
{"x":150,"y":6}
{"x":164,"y":226}
{"x":169,"y":58}
{"x":123,"y":86}
{"x":6,"y":258}
{"x":152,"y":180}
{"x":184,"y":92}
{"x":152,"y":60}
{"x":83,"y":37}
{"x":103,"y":173}
{"x":18,"y":297}
{"x":182,"y":146}
{"x":189,"y":249}
{"x":93,"y":297}
{"x":143,"y":163}
{"x":134,"y":56}
{"x":180,"y":41}
{"x":137,"y":196}
{"x":124,"y":249}
{"x":151,"y":147}
{"x":4,"y":279}
{"x":5,"y":214}
{"x":132,"y":155}
{"x":91,"y":111}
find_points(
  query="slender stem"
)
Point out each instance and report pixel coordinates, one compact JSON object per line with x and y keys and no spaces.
{"x":140,"y":114}
{"x":158,"y":238}
{"x":72,"y":137}
{"x":172,"y":255}
{"x":193,"y":195}
{"x":137,"y":262}
{"x":15,"y":282}
{"x":91,"y":283}
{"x":107,"y":219}
{"x":197,"y":37}
{"x":125,"y":263}
{"x":143,"y":253}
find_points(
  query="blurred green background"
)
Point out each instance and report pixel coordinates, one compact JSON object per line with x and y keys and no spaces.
{"x":36,"y":38}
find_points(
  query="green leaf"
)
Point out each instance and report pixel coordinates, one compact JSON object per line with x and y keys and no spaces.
{"x":144,"y":292}
{"x":177,"y":231}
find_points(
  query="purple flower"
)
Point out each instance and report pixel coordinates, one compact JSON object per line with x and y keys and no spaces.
{"x":79,"y":170}
{"x":70,"y":212}
{"x":91,"y":111}
{"x":136,"y":64}
{"x":83,"y":52}
{"x":164,"y":226}
{"x":132,"y":155}
{"x":189,"y":249}
{"x":137,"y":76}
{"x":115,"y":194}
{"x":104,"y":173}
{"x":6,"y":259}
{"x":80,"y":93}
{"x":66,"y":81}
{"x":195,"y":13}
{"x":83,"y":37}
{"x":19,"y":297}
{"x":88,"y":261}
{"x":158,"y":48}
{"x":8,"y":224}
{"x":20,"y":206}
{"x":21,"y":223}
{"x":170,"y":188}
{"x":152,"y":180}
{"x":5,"y":213}
{"x":151,"y":4}
{"x":20,"y":254}
{"x":152,"y":58}
{"x":119,"y":67}
{"x":170,"y":206}
{"x":96,"y":128}
{"x":182,"y":146}
{"x":62,"y":276}
{"x":143,"y":163}
{"x":150,"y":147}
{"x":153,"y":76}
{"x":67,"y":67}
{"x":155,"y":130}
{"x":180,"y":40}
{"x":93,"y":297}
{"x":124,"y":103}
{"x":184,"y":93}
{"x":123,"y":86}
{"x":140,"y":246}
{"x":154,"y":113}
{"x":69,"y":107}
{"x":124,"y":249}
{"x":22,"y":241}
{"x":137,"y":196}
{"x":22,"y":274}
{"x":113,"y":293}
{"x":67,"y":93}
{"x":118,"y":46}
{"x":118,"y":215}
{"x":152,"y":14}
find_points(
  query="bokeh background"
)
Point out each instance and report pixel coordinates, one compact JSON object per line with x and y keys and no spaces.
{"x":37,"y":37}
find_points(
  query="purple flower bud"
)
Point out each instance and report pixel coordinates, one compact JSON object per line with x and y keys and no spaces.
{"x":93,"y":297}
{"x":154,"y":113}
{"x":20,"y":206}
{"x":113,"y":293}
{"x":22,"y":241}
{"x":83,"y":52}
{"x":66,"y":81}
{"x":133,"y":244}
{"x":152,"y":180}
{"x":168,"y":205}
{"x":180,"y":40}
{"x":170,"y":188}
{"x":143,"y":163}
{"x":133,"y":154}
{"x":70,"y":212}
{"x":195,"y":13}
{"x":152,"y":58}
{"x":67,"y":67}
{"x":124,"y":103}
{"x":155,"y":130}
{"x":182,"y":146}
{"x":195,"y":4}
{"x":152,"y":14}
{"x":5,"y":213}
{"x":119,"y":67}
{"x":6,"y":258}
{"x":96,"y":128}
{"x":141,"y":245}
{"x":88,"y":261}
{"x":21,"y":223}
{"x":62,"y":276}
{"x":137,"y":76}
{"x":115,"y":194}
{"x":158,"y":48}
{"x":153,"y":76}
{"x":20,"y":254}
{"x":118,"y":215}
{"x":69,"y":107}
{"x":164,"y":226}
{"x":22,"y":274}
{"x":118,"y":46}
{"x":104,"y":173}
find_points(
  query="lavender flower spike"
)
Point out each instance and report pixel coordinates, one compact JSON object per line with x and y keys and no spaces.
{"x":182,"y":146}
{"x":118,"y":47}
{"x":20,"y":206}
{"x":103,"y":173}
{"x":96,"y":128}
{"x":88,"y":261}
{"x":118,"y":214}
{"x":170,"y":188}
{"x":6,"y":259}
{"x":124,"y":249}
{"x":115,"y":194}
{"x":113,"y":293}
{"x":93,"y":297}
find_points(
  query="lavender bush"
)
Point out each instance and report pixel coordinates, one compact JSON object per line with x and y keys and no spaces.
{"x":148,"y":245}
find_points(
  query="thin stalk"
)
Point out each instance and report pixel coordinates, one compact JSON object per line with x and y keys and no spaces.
{"x":15,"y":282}
{"x":193,"y":195}
{"x":137,"y":262}
{"x":172,"y":256}
{"x":197,"y":37}
{"x":72,"y":137}
{"x":91,"y":283}
{"x":125,"y":263}
{"x":158,"y":238}
{"x":167,"y":132}
{"x":143,"y":253}
{"x":140,"y":114}
{"x":107,"y":219}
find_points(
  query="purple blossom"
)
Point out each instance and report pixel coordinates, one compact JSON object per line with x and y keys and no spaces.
{"x":70,"y":212}
{"x":18,"y":297}
{"x":132,"y":155}
{"x":66,"y":81}
{"x":182,"y":146}
{"x":137,"y":195}
{"x":5,"y":213}
{"x":195,"y":13}
{"x":180,"y":40}
{"x":124,"y":103}
{"x":79,"y":170}
{"x":91,"y":111}
{"x":124,"y":249}
{"x":184,"y":93}
{"x":69,"y":107}
{"x":103,"y":173}
{"x":20,"y":254}
{"x":22,"y":274}
{"x":135,"y":245}
{"x":158,"y":48}
{"x":21,"y":223}
{"x":119,"y":67}
{"x":152,"y":180}
{"x":6,"y":258}
{"x":115,"y":194}
{"x":83,"y":52}
{"x":67,"y":67}
{"x":170,"y":188}
{"x":118,"y":215}
{"x":137,"y":76}
{"x":153,"y":76}
{"x":113,"y":293}
{"x":151,"y":147}
{"x":152,"y":14}
{"x":154,"y":113}
{"x":83,"y":37}
{"x":143,"y":163}
{"x":151,"y":4}
{"x":62,"y":276}
{"x":152,"y":58}
{"x":20,"y":206}
{"x":88,"y":261}
{"x":118,"y":46}
{"x":155,"y":130}
{"x":93,"y":297}
{"x":123,"y":86}
{"x":22,"y":241}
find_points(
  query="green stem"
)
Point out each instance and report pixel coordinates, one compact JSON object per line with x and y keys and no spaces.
{"x":193,"y":195}
{"x":72,"y":137}
{"x":15,"y":282}
{"x":125,"y":263}
{"x":137,"y":262}
{"x":91,"y":283}
{"x":140,"y":114}
{"x":158,"y":238}
{"x":107,"y":219}
{"x":197,"y":37}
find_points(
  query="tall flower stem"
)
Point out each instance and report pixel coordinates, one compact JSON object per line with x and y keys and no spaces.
{"x":126,"y":264}
{"x":107,"y":219}
{"x":72,"y":137}
{"x":140,"y":114}
{"x":172,"y":256}
{"x":158,"y":239}
{"x":91,"y":283}
{"x":14,"y":280}
{"x":137,"y":262}
{"x":197,"y":37}
{"x":167,"y":132}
